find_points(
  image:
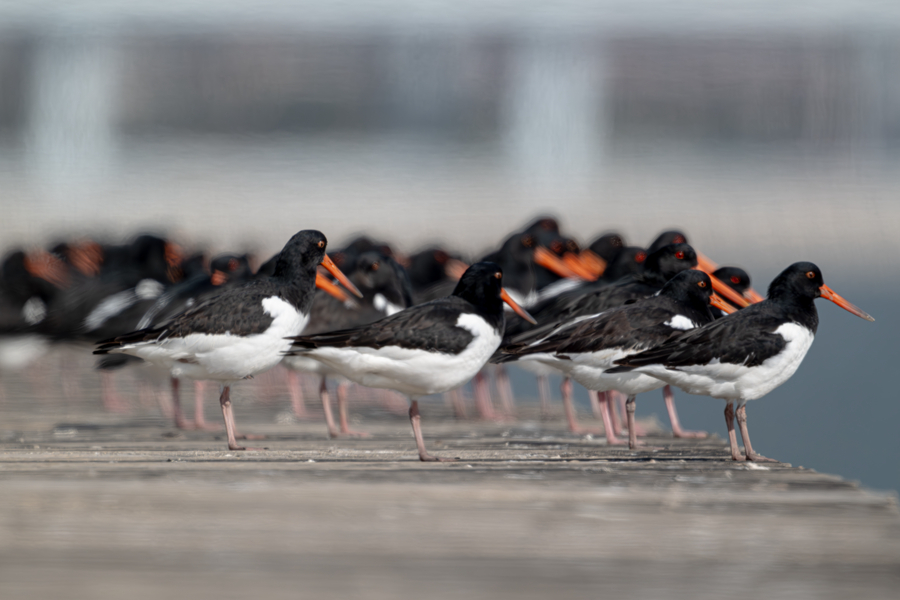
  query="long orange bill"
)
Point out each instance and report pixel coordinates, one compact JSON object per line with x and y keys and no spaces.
{"x":333,"y":269}
{"x":708,"y":266}
{"x":219,"y":277}
{"x":593,"y":262}
{"x":516,"y":308}
{"x":455,"y":268}
{"x":327,"y":286}
{"x":725,"y":291}
{"x":573,"y":261}
{"x":548,"y":260}
{"x":716,"y":300}
{"x":45,"y":266}
{"x":830,"y":294}
{"x":751,"y":295}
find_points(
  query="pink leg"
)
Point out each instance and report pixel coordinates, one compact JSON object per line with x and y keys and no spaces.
{"x":228,"y":414}
{"x":180,"y":421}
{"x":543,"y":385}
{"x":112,"y":401}
{"x":622,"y":400}
{"x":603,"y":402}
{"x":342,"y":412}
{"x":595,"y":405}
{"x":296,"y":391}
{"x":632,"y":432}
{"x":732,"y":436}
{"x":415,"y":420}
{"x":571,"y":420}
{"x":677,"y":431}
{"x":745,"y":435}
{"x":504,"y":389}
{"x":455,"y":399}
{"x":326,"y":406}
{"x":199,"y":418}
{"x":482,"y":393}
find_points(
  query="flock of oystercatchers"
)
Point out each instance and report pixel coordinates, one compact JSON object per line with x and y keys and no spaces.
{"x":619,"y":320}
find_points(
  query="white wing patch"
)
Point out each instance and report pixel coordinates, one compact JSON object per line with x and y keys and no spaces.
{"x":382,"y":304}
{"x":680,"y":322}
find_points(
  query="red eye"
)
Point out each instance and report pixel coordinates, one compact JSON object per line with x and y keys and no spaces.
{"x":735,"y":279}
{"x":556,"y":247}
{"x":498,"y":275}
{"x":640,"y":257}
{"x":375,"y":266}
{"x":321,"y":244}
{"x":811,"y":274}
{"x":527,"y":241}
{"x":232,"y":264}
{"x":679,"y":255}
{"x":702,"y":284}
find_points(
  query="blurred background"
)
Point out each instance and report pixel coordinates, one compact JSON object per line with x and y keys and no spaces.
{"x":770,"y":133}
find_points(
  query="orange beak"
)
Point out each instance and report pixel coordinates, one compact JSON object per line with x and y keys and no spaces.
{"x":751,"y":295}
{"x":830,"y":294}
{"x":516,"y":308}
{"x":573,"y":261}
{"x":708,"y":266}
{"x":333,"y":269}
{"x":717,"y":301}
{"x":47,"y":267}
{"x":725,"y":291}
{"x":325,"y":284}
{"x":593,"y":262}
{"x":455,"y":268}
{"x":218,"y":277}
{"x":548,"y":260}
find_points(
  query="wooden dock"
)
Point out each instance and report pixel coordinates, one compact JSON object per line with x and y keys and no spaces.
{"x":96,"y":505}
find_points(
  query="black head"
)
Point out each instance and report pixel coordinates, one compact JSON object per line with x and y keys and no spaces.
{"x":607,"y":246}
{"x":542,"y":225}
{"x":427,"y":267}
{"x":234,"y":267}
{"x":668,"y":261}
{"x":734,"y":277}
{"x":801,"y":281}
{"x":691,"y":288}
{"x":481,"y":285}
{"x":377,"y":273}
{"x":630,"y":261}
{"x":301,"y":255}
{"x":665,"y":238}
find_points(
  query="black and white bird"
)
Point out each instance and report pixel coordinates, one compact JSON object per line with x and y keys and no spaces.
{"x":586,"y":348}
{"x":426,"y":349}
{"x":745,"y":355}
{"x":241,"y":332}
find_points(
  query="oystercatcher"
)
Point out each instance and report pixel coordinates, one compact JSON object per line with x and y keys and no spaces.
{"x":745,"y":355}
{"x":240,"y":332}
{"x":386,"y":290}
{"x":425,"y":349}
{"x":586,"y":348}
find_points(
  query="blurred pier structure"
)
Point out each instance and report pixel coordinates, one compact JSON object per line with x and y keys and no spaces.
{"x":119,"y":114}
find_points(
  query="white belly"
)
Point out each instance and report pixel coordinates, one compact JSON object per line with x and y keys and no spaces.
{"x":737,"y":382}
{"x":415,"y":372}
{"x":226,"y":357}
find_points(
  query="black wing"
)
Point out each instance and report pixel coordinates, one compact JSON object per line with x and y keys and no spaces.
{"x":746,"y":337}
{"x":238,"y":311}
{"x":430,"y":326}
